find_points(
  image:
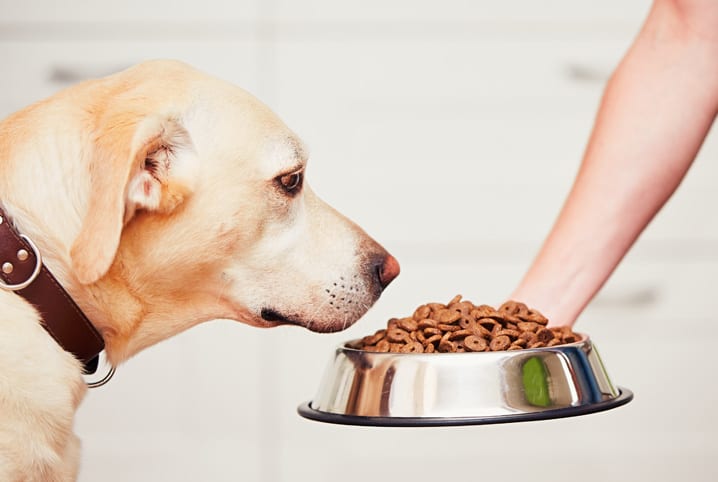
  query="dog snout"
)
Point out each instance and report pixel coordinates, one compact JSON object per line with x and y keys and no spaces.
{"x":386,"y":270}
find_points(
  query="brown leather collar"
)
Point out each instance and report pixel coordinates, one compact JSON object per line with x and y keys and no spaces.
{"x":22,"y":271}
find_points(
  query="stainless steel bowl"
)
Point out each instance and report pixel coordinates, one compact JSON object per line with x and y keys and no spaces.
{"x":408,"y":389}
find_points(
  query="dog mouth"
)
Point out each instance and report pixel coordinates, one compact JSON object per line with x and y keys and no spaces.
{"x":273,"y":316}
{"x":268,"y":314}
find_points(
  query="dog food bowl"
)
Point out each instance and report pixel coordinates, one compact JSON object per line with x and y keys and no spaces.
{"x":434,"y":389}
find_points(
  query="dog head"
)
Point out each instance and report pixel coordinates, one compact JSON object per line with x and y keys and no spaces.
{"x":196,"y":207}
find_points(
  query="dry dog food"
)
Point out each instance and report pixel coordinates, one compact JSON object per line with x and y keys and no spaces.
{"x":461,"y":326}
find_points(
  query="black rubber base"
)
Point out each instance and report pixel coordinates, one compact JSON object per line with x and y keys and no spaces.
{"x":306,"y":411}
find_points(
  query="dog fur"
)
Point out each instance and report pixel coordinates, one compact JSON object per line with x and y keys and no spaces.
{"x":160,"y":198}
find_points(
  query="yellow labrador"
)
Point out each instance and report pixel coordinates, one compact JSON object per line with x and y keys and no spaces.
{"x":159,"y":198}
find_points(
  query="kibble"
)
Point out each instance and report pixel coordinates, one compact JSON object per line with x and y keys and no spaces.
{"x":461,"y":326}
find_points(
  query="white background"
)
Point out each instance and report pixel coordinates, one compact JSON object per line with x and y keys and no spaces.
{"x":451,"y":131}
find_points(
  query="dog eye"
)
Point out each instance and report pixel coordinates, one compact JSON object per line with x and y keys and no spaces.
{"x":291,"y":183}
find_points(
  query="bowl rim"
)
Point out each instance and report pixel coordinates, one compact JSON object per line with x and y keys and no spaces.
{"x":306,"y":410}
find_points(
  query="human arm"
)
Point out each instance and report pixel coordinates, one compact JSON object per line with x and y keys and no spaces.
{"x":656,"y":110}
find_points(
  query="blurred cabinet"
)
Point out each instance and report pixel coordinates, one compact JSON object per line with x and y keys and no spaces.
{"x":191,"y":408}
{"x":475,"y":137}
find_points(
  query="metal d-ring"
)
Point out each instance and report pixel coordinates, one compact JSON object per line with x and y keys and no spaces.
{"x":35,"y":272}
{"x":106,"y":378}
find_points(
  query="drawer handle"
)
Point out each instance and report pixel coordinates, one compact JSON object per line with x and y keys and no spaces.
{"x":639,"y":298}
{"x":65,"y":74}
{"x":587,"y":74}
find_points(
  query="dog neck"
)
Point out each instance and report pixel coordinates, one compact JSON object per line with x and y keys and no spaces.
{"x":135,"y":314}
{"x":24,"y":273}
{"x":128,"y":317}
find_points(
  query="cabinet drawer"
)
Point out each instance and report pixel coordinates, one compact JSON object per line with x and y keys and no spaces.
{"x":462,"y":11}
{"x":135,"y":11}
{"x":39,"y":69}
{"x":186,"y":409}
{"x":472,"y":139}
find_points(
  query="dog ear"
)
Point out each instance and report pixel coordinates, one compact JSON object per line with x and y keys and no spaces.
{"x":136,"y":166}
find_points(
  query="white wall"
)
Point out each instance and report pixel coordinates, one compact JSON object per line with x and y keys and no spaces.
{"x":460,"y":125}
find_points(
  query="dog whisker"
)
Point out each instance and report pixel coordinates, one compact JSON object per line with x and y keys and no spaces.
{"x":317,"y":310}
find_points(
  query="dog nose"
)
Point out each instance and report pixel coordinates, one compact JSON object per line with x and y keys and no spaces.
{"x":388,"y":270}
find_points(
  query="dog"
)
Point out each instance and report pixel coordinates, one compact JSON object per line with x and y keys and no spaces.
{"x":159,"y":198}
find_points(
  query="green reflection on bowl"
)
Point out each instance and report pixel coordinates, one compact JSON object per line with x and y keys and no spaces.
{"x":535,"y":381}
